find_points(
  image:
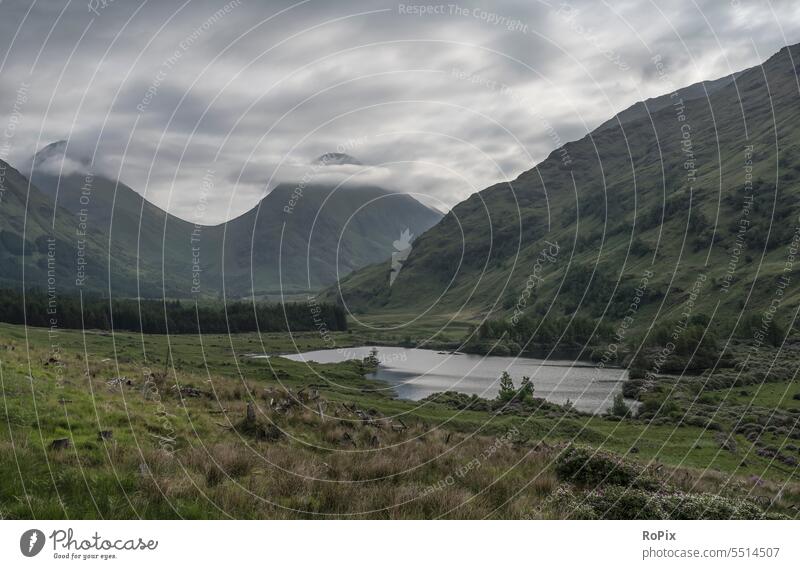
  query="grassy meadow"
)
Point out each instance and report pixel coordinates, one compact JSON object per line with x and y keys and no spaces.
{"x":95,"y":425}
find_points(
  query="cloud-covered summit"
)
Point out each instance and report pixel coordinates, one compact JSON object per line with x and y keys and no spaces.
{"x":337,"y":159}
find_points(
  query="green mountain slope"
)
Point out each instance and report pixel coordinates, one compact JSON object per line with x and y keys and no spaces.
{"x":40,"y":250}
{"x":300,"y":239}
{"x":665,"y":193}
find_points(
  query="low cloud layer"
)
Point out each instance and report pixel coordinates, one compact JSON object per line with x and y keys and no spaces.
{"x":436,"y":100}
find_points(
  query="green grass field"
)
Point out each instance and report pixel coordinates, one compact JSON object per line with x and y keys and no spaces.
{"x":321,"y":440}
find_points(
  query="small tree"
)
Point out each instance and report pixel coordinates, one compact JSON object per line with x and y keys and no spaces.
{"x":526,"y":389}
{"x":372,"y":359}
{"x":507,"y":389}
{"x":619,"y":408}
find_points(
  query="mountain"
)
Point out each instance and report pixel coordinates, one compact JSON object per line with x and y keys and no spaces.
{"x":47,"y":249}
{"x":301,"y":238}
{"x":298,"y":238}
{"x":701,"y":188}
{"x":642,"y":109}
{"x":120,"y":219}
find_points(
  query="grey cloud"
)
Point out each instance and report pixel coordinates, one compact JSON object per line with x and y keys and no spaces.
{"x":530,"y":68}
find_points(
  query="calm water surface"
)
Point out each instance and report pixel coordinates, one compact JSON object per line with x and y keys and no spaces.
{"x":414,"y":374}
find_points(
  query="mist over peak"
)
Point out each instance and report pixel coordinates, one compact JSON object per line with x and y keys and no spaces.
{"x":62,"y":158}
{"x":337,"y":159}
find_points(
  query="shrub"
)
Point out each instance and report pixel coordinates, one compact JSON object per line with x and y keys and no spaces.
{"x":710,"y":507}
{"x":590,"y":467}
{"x":656,"y":407}
{"x":460,"y":401}
{"x":619,"y":408}
{"x":620,"y":503}
{"x":636,"y":373}
{"x":632,"y":388}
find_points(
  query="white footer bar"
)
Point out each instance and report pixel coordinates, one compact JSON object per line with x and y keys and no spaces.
{"x":387,"y":545}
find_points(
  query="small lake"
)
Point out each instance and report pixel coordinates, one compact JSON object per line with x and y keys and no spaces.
{"x":415,"y":373}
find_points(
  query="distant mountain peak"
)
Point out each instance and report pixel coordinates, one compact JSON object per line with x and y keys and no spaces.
{"x":337,"y":159}
{"x":56,"y":159}
{"x":57,"y":148}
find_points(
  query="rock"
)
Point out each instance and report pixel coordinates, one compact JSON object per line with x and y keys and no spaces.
{"x":117,"y":382}
{"x":188,"y":391}
{"x":60,"y":444}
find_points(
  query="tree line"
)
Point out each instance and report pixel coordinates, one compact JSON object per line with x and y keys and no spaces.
{"x":37,"y":308}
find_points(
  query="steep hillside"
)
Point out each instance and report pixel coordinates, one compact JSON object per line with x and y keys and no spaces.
{"x":303,"y":238}
{"x":702,"y":191}
{"x":41,"y":250}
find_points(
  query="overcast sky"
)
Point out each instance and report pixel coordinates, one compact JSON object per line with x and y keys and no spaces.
{"x":439,"y":100}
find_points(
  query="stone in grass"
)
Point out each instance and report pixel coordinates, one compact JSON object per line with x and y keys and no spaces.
{"x":259,"y":430}
{"x":60,"y":444}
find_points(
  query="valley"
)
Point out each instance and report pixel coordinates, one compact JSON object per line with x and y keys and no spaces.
{"x":152,"y":368}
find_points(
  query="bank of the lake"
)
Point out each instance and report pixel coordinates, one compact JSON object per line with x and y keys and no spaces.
{"x":414,"y":373}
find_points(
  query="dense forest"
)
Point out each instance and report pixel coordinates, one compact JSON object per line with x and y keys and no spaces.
{"x":36,"y":308}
